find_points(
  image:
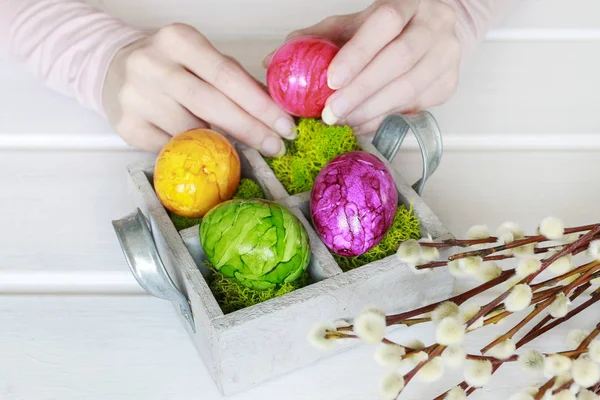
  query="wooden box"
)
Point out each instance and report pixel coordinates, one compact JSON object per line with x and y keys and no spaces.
{"x":263,"y":341}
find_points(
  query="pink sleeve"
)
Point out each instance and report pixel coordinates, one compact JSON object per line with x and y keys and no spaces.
{"x":67,"y":44}
{"x":476,"y":17}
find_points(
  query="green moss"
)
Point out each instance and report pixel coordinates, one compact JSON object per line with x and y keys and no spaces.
{"x":405,"y":226}
{"x":233,"y":296}
{"x":314,"y":147}
{"x":247,"y":189}
{"x":182,"y":223}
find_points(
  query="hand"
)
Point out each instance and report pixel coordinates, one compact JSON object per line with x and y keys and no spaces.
{"x":175,"y":81}
{"x":397,"y":56}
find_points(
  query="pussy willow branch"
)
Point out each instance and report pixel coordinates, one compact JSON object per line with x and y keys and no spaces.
{"x":397,"y":319}
{"x":537,"y":295}
{"x":581,"y":348}
{"x":518,"y":243}
{"x":541,"y":298}
{"x":545,"y":264}
{"x":499,"y":313}
{"x":459,"y":242}
{"x":594,"y":297}
{"x":591,"y":336}
{"x":566,"y":385}
{"x":493,"y":360}
{"x":559,"y":278}
{"x":458,"y":299}
{"x":437,"y":350}
{"x":542,"y":390}
{"x":581,"y":280}
{"x":492,"y":250}
{"x":508,"y":335}
{"x":576,"y":293}
{"x":499,"y":257}
{"x":537,"y":332}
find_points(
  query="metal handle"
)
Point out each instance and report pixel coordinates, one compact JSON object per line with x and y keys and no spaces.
{"x":139,"y":248}
{"x":391,"y":134}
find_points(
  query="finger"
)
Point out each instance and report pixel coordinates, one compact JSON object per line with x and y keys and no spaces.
{"x":160,"y":110}
{"x":212,"y":106}
{"x":142,"y":134}
{"x":200,"y":57}
{"x":437,"y":93}
{"x":407,"y":88}
{"x":381,"y":27}
{"x":394,"y":60}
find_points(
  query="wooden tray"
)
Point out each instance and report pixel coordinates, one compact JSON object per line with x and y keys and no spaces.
{"x":268,"y":339}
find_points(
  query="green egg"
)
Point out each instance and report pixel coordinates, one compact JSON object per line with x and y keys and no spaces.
{"x":259,"y":243}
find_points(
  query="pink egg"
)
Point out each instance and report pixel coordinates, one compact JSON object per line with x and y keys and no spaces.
{"x":353,"y":203}
{"x":297,"y":75}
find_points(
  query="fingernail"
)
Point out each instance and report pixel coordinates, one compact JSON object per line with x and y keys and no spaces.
{"x":286,"y":128}
{"x":338,"y":77}
{"x":328,"y":117}
{"x":335,"y":110}
{"x":273,"y":147}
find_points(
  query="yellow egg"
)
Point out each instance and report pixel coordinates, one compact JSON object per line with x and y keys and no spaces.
{"x":195,"y":171}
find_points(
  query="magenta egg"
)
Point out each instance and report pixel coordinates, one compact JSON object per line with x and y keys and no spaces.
{"x":353,"y":203}
{"x":297,"y":75}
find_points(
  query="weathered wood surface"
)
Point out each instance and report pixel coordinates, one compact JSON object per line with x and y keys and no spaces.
{"x":133,"y":347}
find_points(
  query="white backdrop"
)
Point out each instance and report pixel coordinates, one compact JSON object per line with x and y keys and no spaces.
{"x":522,"y":141}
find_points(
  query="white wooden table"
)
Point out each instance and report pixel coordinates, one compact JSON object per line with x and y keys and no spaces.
{"x":522,"y":142}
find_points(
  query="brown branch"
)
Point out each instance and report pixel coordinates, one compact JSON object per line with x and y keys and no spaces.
{"x":571,"y":353}
{"x":458,"y":299}
{"x":537,"y":298}
{"x":559,"y":278}
{"x":519,"y":243}
{"x":578,"y":292}
{"x":492,"y":250}
{"x":533,"y":332}
{"x":500,"y":257}
{"x":438,"y":349}
{"x":566,"y":385}
{"x":493,"y":360}
{"x":545,"y":263}
{"x":537,"y":310}
{"x":508,"y":335}
{"x":540,"y":394}
{"x":459,"y":242}
{"x":591,"y":336}
{"x":463,"y":385}
{"x":595,"y":297}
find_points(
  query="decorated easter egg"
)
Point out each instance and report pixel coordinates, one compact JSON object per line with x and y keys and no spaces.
{"x":353,"y":203}
{"x":195,"y":171}
{"x":259,"y":243}
{"x":297,"y":75}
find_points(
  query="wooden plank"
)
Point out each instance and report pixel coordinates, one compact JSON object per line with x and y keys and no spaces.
{"x":471,"y":187}
{"x":468,"y":188}
{"x":130,"y":347}
{"x":553,"y":15}
{"x":56,"y":210}
{"x":512,"y":89}
{"x":271,"y":17}
{"x":510,"y":93}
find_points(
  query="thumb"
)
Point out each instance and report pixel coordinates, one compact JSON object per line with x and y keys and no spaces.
{"x":338,"y":29}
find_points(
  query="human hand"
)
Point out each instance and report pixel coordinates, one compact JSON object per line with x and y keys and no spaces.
{"x":396,"y":56}
{"x":175,"y":81}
